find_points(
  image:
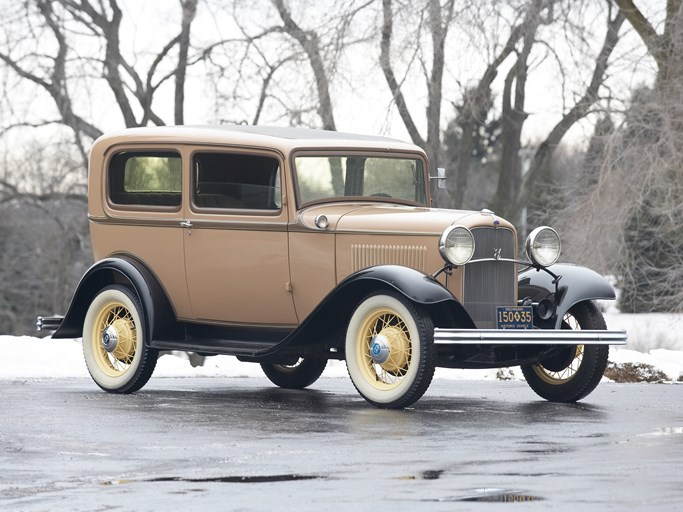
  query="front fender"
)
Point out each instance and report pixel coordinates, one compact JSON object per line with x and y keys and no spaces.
{"x":421,"y":288}
{"x":577,"y":284}
{"x":157,"y":313}
{"x":329,"y":319}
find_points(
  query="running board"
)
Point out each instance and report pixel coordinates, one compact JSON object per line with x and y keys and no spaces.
{"x":216,"y":347}
{"x":527,"y":337}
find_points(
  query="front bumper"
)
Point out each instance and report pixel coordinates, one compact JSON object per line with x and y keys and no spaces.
{"x":527,"y":337}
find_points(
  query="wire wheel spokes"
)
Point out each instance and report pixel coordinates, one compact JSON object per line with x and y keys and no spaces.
{"x":116,"y":318}
{"x":388,"y":325}
{"x":567,"y":373}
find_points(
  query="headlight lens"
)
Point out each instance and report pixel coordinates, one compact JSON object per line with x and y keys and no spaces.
{"x":543,"y":246}
{"x":457,"y":245}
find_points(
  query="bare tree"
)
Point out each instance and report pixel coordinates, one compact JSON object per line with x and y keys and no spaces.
{"x":309,"y":42}
{"x":439,"y":18}
{"x":541,"y":162}
{"x":473,"y":111}
{"x":61,"y":50}
{"x":70,"y":23}
{"x":189,"y":11}
{"x":664,"y":48}
{"x":514,"y":190}
{"x":645,"y":166}
{"x":44,"y":246}
{"x":287,"y":62}
{"x":514,"y":115}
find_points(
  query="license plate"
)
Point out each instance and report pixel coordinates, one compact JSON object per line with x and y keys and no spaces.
{"x":515,"y":317}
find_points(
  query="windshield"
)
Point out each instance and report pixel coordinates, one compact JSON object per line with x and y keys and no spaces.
{"x":339,"y":176}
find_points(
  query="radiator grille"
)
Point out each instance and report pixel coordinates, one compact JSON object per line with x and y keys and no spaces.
{"x":369,"y":255}
{"x":490,"y":284}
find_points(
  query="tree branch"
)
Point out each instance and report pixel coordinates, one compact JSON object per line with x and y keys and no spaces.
{"x":310,"y":44}
{"x":189,"y":10}
{"x":543,"y":155}
{"x":394,"y":87}
{"x":644,"y":29}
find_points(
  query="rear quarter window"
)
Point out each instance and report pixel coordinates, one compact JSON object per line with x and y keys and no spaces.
{"x":145,"y":179}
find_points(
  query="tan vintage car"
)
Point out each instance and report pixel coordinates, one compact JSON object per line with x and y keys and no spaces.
{"x":289,"y":247}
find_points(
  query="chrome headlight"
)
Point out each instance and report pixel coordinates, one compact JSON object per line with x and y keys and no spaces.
{"x":543,"y":246}
{"x":456,"y":245}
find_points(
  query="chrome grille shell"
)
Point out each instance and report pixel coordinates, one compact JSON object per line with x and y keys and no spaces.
{"x":489,"y":284}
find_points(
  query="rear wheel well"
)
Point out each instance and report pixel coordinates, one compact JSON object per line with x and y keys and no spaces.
{"x":72,"y":325}
{"x":158,"y":314}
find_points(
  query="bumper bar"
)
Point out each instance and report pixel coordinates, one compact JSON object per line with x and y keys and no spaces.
{"x":48,"y":323}
{"x":527,"y":337}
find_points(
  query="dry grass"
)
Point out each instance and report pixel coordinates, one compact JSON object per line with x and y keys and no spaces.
{"x":634,"y":372}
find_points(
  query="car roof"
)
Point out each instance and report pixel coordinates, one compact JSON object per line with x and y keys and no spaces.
{"x":284,"y":139}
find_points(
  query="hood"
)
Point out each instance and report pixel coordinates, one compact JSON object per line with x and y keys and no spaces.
{"x":399,"y":219}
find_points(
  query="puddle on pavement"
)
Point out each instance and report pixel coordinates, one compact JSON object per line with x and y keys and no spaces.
{"x":253,"y":479}
{"x":430,"y":474}
{"x":671,"y":431}
{"x":492,"y":496}
{"x":236,"y":479}
{"x":556,"y":449}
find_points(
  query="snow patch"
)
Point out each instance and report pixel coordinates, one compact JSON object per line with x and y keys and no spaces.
{"x":654,"y":339}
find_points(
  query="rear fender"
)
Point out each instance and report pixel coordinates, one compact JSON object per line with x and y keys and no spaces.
{"x":576,"y":284}
{"x":157,"y":315}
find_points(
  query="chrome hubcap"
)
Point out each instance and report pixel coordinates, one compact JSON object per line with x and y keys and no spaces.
{"x":380,"y":349}
{"x":110,"y":338}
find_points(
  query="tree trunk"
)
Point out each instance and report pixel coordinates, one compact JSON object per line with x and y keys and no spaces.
{"x":309,"y":43}
{"x":189,"y":10}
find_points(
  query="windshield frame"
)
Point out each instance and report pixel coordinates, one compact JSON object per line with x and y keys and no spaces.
{"x":337,"y":152}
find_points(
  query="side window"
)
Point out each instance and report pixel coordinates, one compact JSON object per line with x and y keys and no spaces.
{"x":145,"y":178}
{"x":234,"y":181}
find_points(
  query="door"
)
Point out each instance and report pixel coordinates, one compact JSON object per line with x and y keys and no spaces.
{"x":236,"y":245}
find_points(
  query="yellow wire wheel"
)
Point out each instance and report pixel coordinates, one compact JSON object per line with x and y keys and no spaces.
{"x":113,"y":341}
{"x":389,"y":350}
{"x":563,"y":375}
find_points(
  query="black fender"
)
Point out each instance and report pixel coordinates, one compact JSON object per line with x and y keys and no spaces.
{"x":576,"y":284}
{"x":158,"y":316}
{"x":336,"y":308}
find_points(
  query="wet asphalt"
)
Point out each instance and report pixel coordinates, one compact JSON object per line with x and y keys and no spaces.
{"x":242,"y":444}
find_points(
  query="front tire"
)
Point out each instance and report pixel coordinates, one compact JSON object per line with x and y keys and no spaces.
{"x":390,"y":354}
{"x":299,"y":375}
{"x":572,"y":373}
{"x":114,"y":342}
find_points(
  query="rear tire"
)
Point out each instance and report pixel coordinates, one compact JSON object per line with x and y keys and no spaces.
{"x":572,"y":373}
{"x":117,"y":357}
{"x":299,"y":375}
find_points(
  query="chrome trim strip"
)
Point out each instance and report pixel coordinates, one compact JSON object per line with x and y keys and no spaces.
{"x":226,"y":224}
{"x":527,"y":337}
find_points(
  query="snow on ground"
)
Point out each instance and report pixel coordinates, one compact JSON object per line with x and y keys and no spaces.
{"x":654,"y":339}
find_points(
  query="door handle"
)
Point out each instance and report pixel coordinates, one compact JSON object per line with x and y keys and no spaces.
{"x":185,"y":224}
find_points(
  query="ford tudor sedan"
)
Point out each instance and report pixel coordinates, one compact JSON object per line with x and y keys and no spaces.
{"x":290,"y":247}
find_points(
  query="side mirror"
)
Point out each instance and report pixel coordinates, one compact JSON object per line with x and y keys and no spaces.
{"x":440,"y":177}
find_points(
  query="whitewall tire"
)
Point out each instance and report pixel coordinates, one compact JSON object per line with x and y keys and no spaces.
{"x":389,"y":348}
{"x":114,"y":341}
